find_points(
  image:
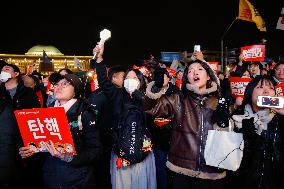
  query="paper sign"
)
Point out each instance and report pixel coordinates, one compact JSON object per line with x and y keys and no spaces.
{"x":238,"y":86}
{"x":40,"y":125}
{"x":171,"y":71}
{"x":214,"y":66}
{"x":253,"y":53}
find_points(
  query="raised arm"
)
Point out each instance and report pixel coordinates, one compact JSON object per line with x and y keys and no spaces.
{"x":104,"y":82}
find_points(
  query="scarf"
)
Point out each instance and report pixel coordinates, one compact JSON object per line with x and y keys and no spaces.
{"x":260,"y":118}
{"x":67,"y":105}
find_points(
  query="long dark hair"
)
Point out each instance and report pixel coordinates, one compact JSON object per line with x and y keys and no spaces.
{"x":251,"y":86}
{"x":140,"y":77}
{"x":210,"y":72}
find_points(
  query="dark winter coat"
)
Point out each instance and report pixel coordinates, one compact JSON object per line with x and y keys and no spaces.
{"x":79,"y":173}
{"x":10,"y":140}
{"x":161,"y":135}
{"x":24,"y":98}
{"x":118,"y":97}
{"x":263,"y":160}
{"x":100,"y":103}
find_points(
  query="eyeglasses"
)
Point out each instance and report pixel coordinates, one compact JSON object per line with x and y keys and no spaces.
{"x":63,"y":84}
{"x":279,"y":69}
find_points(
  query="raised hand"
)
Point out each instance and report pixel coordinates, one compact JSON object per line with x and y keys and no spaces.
{"x":98,"y":51}
{"x":198,"y":55}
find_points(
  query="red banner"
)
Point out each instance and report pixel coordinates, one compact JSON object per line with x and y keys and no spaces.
{"x":253,"y":53}
{"x":279,"y":89}
{"x":40,"y":125}
{"x":143,"y":69}
{"x":238,"y":86}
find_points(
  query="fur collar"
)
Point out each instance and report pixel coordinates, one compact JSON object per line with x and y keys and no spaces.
{"x":194,"y":89}
{"x":155,"y":96}
{"x":260,"y":118}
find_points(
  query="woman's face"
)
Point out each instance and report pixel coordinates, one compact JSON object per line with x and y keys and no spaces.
{"x":28,"y":82}
{"x":132,"y":75}
{"x":279,"y":72}
{"x":264,"y":89}
{"x":221,"y":76}
{"x":254,"y":69}
{"x":179,"y":75}
{"x":246,"y":74}
{"x":63,"y":90}
{"x":197,"y":76}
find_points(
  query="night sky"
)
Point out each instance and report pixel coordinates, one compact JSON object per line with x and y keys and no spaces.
{"x":138,"y":29}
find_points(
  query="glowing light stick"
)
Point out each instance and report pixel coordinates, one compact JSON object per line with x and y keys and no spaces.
{"x":104,"y":35}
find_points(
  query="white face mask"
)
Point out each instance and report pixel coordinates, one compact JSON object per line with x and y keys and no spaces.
{"x":130,"y":85}
{"x":4,"y":76}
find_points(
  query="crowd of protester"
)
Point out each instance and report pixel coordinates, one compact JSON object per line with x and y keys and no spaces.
{"x":179,"y":104}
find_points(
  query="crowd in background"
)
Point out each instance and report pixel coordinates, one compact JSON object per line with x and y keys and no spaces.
{"x":180,"y":102}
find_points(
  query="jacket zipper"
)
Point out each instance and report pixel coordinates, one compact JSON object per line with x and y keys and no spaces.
{"x":201,"y":139}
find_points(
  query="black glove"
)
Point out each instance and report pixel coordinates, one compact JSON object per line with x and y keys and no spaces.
{"x":221,"y":114}
{"x":159,"y":77}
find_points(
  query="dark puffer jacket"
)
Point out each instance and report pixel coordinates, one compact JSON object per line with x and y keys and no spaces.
{"x":79,"y":173}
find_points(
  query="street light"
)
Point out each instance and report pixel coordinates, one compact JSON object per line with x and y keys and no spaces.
{"x":222,"y":44}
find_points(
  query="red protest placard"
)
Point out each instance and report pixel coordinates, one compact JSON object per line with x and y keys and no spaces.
{"x":171,"y":71}
{"x":40,"y":125}
{"x":279,"y":89}
{"x":238,"y":86}
{"x":214,"y":66}
{"x":253,"y":53}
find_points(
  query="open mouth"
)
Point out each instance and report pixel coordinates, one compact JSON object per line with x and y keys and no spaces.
{"x":195,"y":79}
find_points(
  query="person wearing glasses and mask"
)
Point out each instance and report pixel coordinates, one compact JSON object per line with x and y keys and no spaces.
{"x":278,"y":72}
{"x":62,"y":170}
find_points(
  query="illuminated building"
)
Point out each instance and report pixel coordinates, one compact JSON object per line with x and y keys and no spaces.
{"x":35,"y":55}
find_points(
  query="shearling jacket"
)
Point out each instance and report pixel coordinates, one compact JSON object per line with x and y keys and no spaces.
{"x":192,"y":116}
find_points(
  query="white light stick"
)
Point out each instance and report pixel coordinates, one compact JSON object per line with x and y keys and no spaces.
{"x":104,"y":35}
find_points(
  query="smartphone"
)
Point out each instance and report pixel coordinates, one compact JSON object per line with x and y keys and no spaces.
{"x":196,"y":48}
{"x":270,"y":101}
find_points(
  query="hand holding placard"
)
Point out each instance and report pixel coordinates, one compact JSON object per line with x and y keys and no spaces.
{"x":104,"y":35}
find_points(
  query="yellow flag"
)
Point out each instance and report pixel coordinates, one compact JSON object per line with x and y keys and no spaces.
{"x":249,"y":13}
